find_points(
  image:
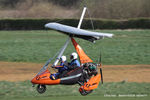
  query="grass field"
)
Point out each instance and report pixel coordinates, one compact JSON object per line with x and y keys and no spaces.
{"x":126,"y":47}
{"x":85,"y":98}
{"x":24,"y":91}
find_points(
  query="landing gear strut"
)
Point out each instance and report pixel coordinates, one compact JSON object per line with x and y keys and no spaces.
{"x":41,"y":88}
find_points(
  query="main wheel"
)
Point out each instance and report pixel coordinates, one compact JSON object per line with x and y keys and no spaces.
{"x":84,"y":92}
{"x":41,"y":88}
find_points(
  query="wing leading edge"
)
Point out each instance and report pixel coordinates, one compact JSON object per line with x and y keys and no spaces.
{"x":75,"y":32}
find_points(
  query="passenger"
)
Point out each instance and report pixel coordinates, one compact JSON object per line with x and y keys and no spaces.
{"x":74,"y":61}
{"x":61,"y":68}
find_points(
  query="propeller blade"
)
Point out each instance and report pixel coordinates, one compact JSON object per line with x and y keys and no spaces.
{"x":99,"y":59}
{"x":101,"y":75}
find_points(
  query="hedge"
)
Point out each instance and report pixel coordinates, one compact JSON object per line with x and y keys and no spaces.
{"x":38,"y":24}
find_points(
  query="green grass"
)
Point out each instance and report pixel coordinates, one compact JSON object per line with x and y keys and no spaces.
{"x":24,"y":91}
{"x":84,"y":98}
{"x":127,"y":47}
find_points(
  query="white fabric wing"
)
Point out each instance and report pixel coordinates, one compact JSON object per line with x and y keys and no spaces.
{"x":69,"y":30}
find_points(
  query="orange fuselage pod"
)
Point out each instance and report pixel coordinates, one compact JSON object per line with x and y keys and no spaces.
{"x":44,"y":78}
{"x":83,"y":57}
{"x":92,"y":83}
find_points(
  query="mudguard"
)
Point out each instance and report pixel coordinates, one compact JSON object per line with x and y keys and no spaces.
{"x":92,"y":83}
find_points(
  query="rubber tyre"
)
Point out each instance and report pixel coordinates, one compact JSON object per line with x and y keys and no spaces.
{"x":41,"y":88}
{"x":84,"y":93}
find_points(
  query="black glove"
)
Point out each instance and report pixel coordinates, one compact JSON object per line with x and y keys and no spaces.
{"x":66,"y":64}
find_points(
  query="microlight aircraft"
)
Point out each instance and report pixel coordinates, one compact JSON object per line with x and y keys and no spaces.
{"x":85,"y":76}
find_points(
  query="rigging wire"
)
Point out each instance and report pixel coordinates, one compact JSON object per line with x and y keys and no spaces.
{"x":90,"y":19}
{"x":89,"y":14}
{"x":84,"y":2}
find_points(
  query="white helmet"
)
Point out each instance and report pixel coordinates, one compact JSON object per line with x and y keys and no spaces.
{"x":63,"y":58}
{"x":74,"y":55}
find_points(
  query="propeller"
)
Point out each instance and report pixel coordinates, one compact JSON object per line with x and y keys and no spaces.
{"x":101,"y":75}
{"x":100,"y":65}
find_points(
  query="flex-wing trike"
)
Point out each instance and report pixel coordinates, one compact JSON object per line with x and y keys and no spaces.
{"x":87,"y":75}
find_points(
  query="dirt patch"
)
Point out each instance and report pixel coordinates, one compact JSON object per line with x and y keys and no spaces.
{"x":12,"y":71}
{"x":130,"y":73}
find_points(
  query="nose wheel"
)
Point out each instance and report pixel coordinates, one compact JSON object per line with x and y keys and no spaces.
{"x":41,"y":88}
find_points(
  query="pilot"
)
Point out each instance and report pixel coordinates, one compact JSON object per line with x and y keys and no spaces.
{"x":74,"y":61}
{"x":61,"y":68}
